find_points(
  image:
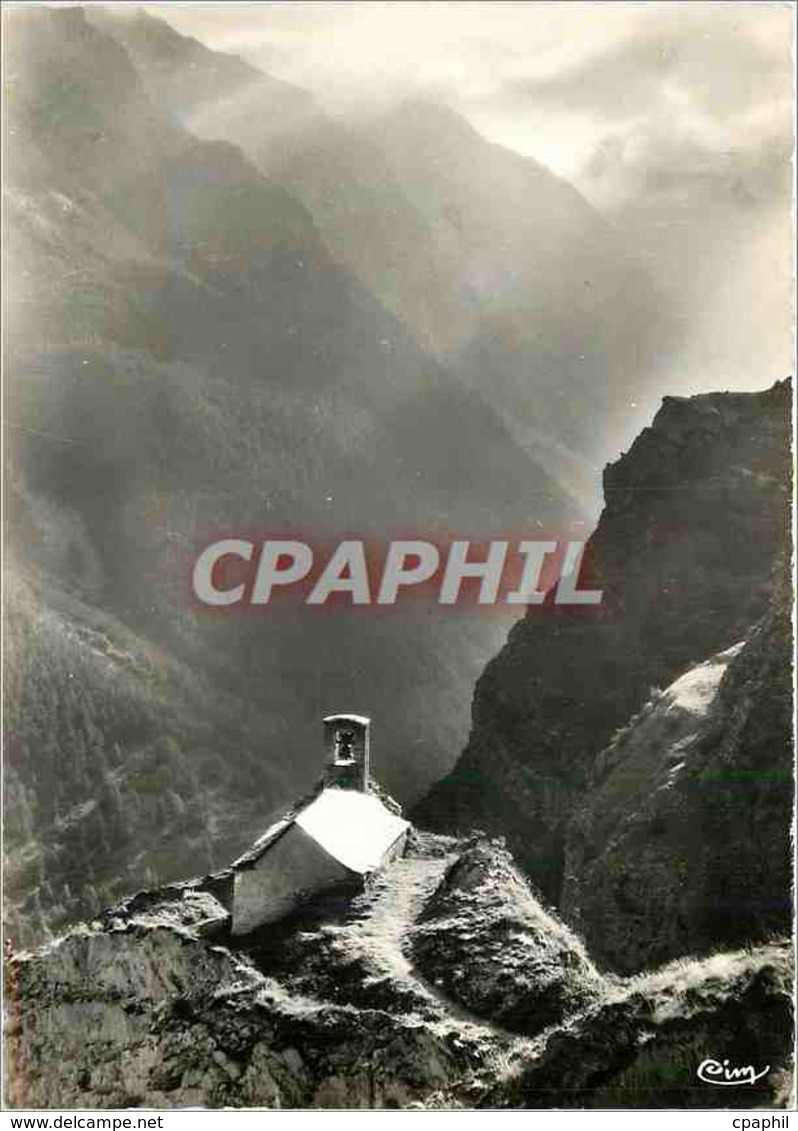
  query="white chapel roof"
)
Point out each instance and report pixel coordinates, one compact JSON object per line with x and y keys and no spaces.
{"x":354,"y":827}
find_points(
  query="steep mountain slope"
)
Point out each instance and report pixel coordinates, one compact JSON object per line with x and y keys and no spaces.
{"x":184,"y":358}
{"x":683,"y":844}
{"x":150,"y":1006}
{"x":121,"y":764}
{"x":695,"y":515}
{"x":340,"y":175}
{"x":495,"y":265}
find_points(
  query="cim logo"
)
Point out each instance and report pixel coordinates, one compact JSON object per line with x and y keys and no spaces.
{"x":721,"y":1073}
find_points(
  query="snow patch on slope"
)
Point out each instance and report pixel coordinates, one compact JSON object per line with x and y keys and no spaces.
{"x":694,"y":691}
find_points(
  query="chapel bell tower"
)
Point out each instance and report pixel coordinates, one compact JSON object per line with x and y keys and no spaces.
{"x":346,"y":751}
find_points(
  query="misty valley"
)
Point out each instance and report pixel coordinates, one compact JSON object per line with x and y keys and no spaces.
{"x":319,"y":405}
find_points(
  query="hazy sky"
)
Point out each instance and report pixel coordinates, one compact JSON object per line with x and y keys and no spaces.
{"x":675,"y":119}
{"x":549,"y":79}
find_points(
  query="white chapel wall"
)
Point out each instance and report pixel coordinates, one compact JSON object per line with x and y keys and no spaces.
{"x":268,"y":889}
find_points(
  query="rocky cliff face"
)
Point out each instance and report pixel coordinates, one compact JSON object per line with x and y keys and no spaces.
{"x":695,"y":516}
{"x":446,"y":985}
{"x":683,"y":842}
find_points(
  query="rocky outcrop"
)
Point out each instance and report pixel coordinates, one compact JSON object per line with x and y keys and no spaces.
{"x":644,"y":1046}
{"x":144,"y":1011}
{"x":695,"y":515}
{"x":150,"y":1016}
{"x":683,"y":843}
{"x":488,"y":944}
{"x":373,"y":1003}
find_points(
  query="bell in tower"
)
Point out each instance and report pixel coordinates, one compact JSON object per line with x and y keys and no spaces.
{"x":346,"y":752}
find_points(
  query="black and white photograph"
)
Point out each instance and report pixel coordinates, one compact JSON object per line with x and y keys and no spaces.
{"x":398,"y":588}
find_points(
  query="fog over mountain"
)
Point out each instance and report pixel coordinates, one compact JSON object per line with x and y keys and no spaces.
{"x":676,"y":120}
{"x":497,"y":267}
